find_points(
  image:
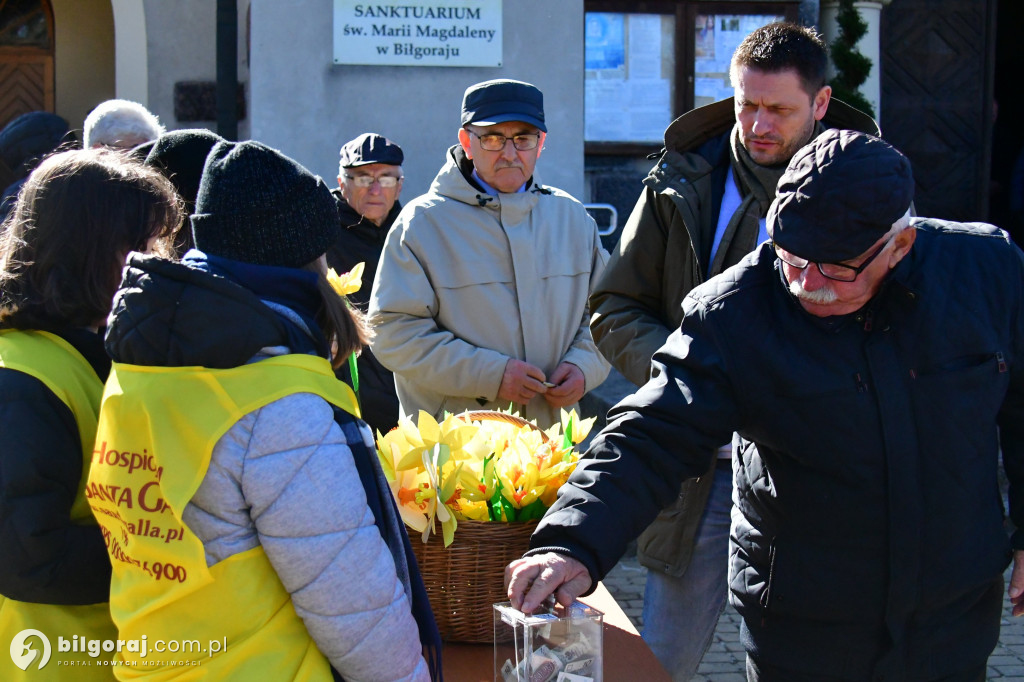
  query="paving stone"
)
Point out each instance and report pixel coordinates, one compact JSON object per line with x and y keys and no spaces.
{"x":725,"y":661}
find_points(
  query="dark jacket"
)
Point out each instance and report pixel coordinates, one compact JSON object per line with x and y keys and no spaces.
{"x":868,"y":504}
{"x":45,"y":557}
{"x":361,"y":241}
{"x":664,"y":252}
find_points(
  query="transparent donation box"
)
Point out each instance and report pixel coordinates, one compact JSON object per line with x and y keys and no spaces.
{"x":555,"y":645}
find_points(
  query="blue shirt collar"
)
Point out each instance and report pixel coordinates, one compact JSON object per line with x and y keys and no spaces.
{"x":491,"y":190}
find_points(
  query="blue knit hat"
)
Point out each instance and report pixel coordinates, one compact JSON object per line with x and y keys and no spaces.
{"x":258,"y":206}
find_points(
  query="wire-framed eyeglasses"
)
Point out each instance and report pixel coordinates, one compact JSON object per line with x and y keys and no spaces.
{"x":495,"y":142}
{"x":835,"y":271}
{"x":386,"y":181}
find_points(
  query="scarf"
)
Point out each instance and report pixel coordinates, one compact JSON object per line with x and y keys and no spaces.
{"x":756,"y":184}
{"x":292,"y":288}
{"x":385,"y":513}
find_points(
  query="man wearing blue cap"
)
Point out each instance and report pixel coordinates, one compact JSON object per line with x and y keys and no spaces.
{"x":480,"y":299}
{"x":369,"y":182}
{"x":872,"y":366}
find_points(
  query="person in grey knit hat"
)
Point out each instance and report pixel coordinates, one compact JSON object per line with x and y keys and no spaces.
{"x":871,"y":365}
{"x":285,"y":490}
{"x":258,"y":206}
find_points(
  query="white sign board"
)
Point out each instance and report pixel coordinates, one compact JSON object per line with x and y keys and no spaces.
{"x":418,"y":33}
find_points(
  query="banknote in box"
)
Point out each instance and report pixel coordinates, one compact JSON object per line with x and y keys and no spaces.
{"x":556,"y":644}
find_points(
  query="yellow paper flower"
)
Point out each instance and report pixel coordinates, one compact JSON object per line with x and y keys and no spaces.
{"x":347,"y":283}
{"x":580,"y":428}
{"x":485,"y":470}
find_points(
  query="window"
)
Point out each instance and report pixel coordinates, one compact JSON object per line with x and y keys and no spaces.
{"x":646,"y":63}
{"x":26,"y":58}
{"x":24,"y":23}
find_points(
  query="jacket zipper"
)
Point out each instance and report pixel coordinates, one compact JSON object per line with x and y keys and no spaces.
{"x":766,"y":596}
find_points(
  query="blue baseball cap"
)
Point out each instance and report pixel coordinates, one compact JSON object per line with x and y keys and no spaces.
{"x":498,"y":101}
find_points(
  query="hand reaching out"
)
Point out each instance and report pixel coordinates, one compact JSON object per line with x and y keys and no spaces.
{"x":531,"y":580}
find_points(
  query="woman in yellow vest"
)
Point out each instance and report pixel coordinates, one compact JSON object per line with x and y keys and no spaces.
{"x":61,"y":255}
{"x":243,"y":503}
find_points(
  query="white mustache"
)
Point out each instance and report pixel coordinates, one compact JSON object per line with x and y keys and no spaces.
{"x":824,"y":295}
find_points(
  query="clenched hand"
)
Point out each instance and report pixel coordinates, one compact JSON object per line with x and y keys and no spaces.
{"x":520,"y":382}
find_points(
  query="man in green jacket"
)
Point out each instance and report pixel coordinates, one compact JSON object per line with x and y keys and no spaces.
{"x":702,"y":210}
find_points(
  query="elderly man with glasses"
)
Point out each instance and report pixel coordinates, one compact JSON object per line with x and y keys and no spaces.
{"x":369,"y":182}
{"x":480,"y":299}
{"x":872,"y":367}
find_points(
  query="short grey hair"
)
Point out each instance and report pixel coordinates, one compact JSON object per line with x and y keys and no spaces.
{"x":120,"y":123}
{"x":902,"y":223}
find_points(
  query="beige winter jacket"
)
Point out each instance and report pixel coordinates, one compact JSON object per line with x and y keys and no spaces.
{"x":468,"y":280}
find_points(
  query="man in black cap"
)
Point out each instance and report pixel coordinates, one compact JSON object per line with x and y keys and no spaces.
{"x":703,"y":208}
{"x":871,"y":366}
{"x":369,"y":182}
{"x":480,"y":300}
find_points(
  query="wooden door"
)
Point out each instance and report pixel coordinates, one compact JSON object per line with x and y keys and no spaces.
{"x":26,"y":58}
{"x":937,"y":95}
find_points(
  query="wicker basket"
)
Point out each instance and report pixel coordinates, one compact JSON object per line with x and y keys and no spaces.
{"x":466,"y":578}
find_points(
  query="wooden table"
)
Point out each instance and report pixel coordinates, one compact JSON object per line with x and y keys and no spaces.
{"x":626,"y":656}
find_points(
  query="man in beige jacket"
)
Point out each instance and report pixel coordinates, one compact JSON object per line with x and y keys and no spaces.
{"x":480,"y":298}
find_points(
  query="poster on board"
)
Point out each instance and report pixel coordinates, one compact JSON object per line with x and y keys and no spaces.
{"x":716,"y":37}
{"x":628,"y":76}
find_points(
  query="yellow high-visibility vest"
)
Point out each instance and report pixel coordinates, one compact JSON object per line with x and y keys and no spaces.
{"x":157,"y":430}
{"x":63,"y":370}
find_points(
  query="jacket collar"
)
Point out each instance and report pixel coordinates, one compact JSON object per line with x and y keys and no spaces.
{"x":702,"y":124}
{"x":456,"y":182}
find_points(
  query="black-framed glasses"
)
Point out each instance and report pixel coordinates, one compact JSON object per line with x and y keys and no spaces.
{"x":835,"y":271}
{"x":386,"y":181}
{"x":495,"y":142}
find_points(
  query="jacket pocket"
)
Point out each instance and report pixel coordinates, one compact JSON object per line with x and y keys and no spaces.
{"x":826,"y":583}
{"x":970,"y":389}
{"x":456,"y":273}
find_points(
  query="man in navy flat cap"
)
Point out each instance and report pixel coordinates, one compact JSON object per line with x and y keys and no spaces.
{"x":369,"y":182}
{"x":480,"y":299}
{"x":872,"y":366}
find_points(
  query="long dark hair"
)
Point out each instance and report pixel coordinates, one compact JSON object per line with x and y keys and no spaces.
{"x":62,"y":248}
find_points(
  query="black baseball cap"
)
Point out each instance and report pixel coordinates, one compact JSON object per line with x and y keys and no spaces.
{"x":370,"y":148}
{"x":840,"y":194}
{"x":503,"y":100}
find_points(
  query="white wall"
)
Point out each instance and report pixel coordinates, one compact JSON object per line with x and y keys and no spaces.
{"x":308,"y":107}
{"x":131,"y":57}
{"x":83,"y":57}
{"x":181,"y":40}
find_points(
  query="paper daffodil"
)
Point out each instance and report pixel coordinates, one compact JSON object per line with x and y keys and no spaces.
{"x":347,"y":283}
{"x":476,"y":469}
